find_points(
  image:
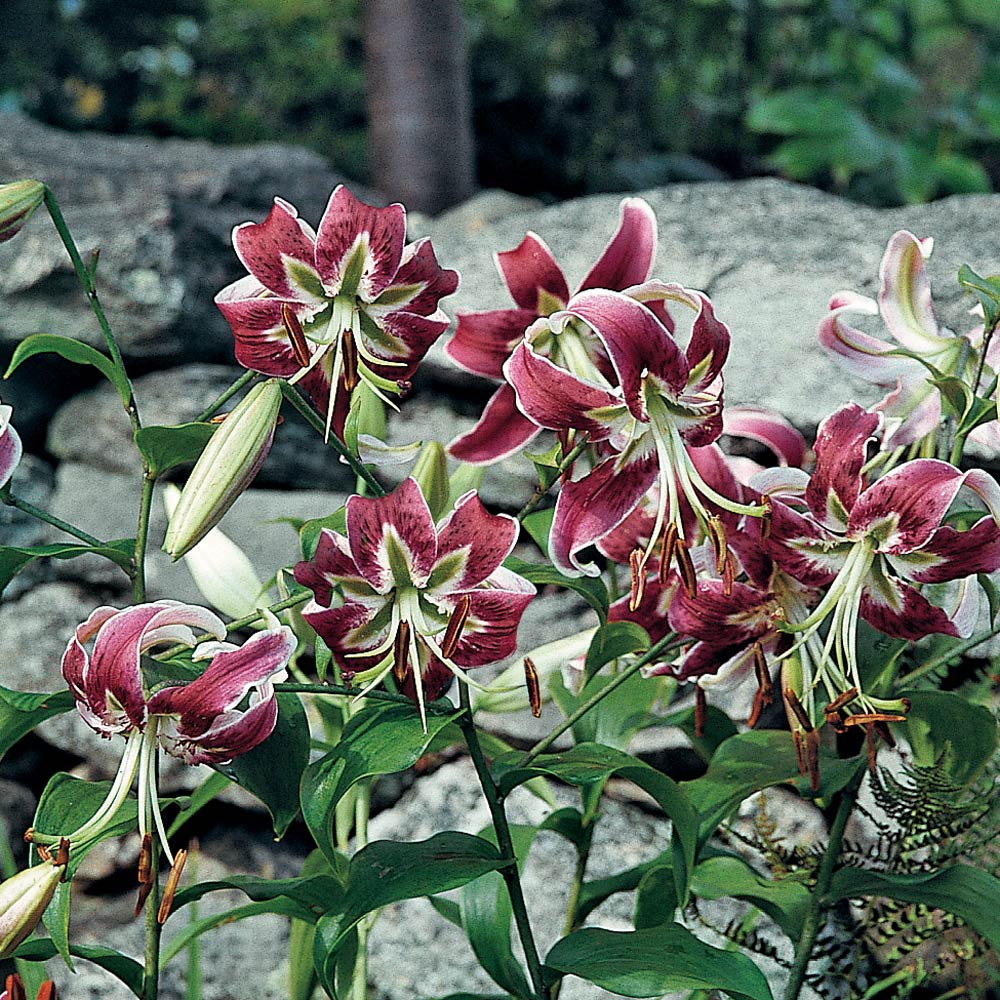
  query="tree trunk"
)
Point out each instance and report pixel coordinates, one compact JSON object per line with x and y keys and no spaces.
{"x":419,"y":109}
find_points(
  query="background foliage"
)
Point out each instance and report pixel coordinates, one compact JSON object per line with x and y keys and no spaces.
{"x":882,"y":100}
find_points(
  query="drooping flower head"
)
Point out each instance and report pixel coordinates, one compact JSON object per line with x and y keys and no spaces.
{"x":201,"y":721}
{"x":421,"y":600}
{"x":348,"y":303}
{"x":10,"y":446}
{"x":912,"y":407}
{"x":483,"y":341}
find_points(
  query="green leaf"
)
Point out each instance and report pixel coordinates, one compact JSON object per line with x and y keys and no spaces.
{"x":378,"y":740}
{"x":987,"y":290}
{"x":596,"y":891}
{"x":967,"y":892}
{"x":20,"y":712}
{"x":165,"y":448}
{"x":546,"y":464}
{"x":313,"y":892}
{"x":71,"y":350}
{"x":190,"y":805}
{"x":538,"y":525}
{"x":655,"y":898}
{"x":311,"y":530}
{"x":717,"y":728}
{"x":654,"y":961}
{"x":749,"y":762}
{"x":612,"y":641}
{"x":486,"y":918}
{"x":590,"y":588}
{"x":588,"y":764}
{"x":120,"y":966}
{"x":386,"y":872}
{"x":957,"y":395}
{"x":273,"y":769}
{"x":466,"y":477}
{"x":944,"y":723}
{"x":14,"y":558}
{"x":785,"y":901}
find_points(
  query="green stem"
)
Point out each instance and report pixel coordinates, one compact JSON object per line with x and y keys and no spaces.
{"x":598,"y":696}
{"x":151,"y":980}
{"x":141,"y":538}
{"x":292,"y":394}
{"x":362,"y":809}
{"x":817,"y":900}
{"x":539,"y":493}
{"x":942,"y":658}
{"x":12,"y":501}
{"x":506,"y":846}
{"x":86,"y":280}
{"x":340,"y":690}
{"x":245,"y":379}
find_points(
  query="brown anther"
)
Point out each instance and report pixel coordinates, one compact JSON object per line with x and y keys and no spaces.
{"x":350,"y":361}
{"x":812,"y":759}
{"x":906,"y":703}
{"x":700,"y":710}
{"x":454,"y":631}
{"x":401,"y":651}
{"x":728,"y":578}
{"x":756,"y":709}
{"x":47,"y":991}
{"x":800,"y":754}
{"x":62,"y":854}
{"x":764,"y":685}
{"x":717,"y":532}
{"x":29,"y":835}
{"x":534,"y":687}
{"x":686,"y":568}
{"x":637,"y":568}
{"x":835,"y":721}
{"x":866,"y":718}
{"x":15,"y":988}
{"x":170,"y":888}
{"x":765,"y":520}
{"x":44,"y":853}
{"x":300,"y":347}
{"x":870,"y":746}
{"x":801,"y":716}
{"x":886,"y":733}
{"x":219,"y":418}
{"x":667,"y":545}
{"x":145,"y":876}
{"x":845,"y":698}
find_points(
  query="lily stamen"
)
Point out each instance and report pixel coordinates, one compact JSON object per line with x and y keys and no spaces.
{"x":144,"y":875}
{"x":764,"y":684}
{"x":637,"y":567}
{"x":350,"y":362}
{"x":170,"y":889}
{"x":685,"y":567}
{"x":296,"y":335}
{"x":400,"y":651}
{"x":534,"y":687}
{"x":455,"y":625}
{"x":667,"y":552}
{"x":700,"y":710}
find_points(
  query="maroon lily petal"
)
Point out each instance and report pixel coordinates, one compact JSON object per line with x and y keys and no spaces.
{"x":419,"y":284}
{"x":392,"y":538}
{"x":349,"y":226}
{"x":406,"y":337}
{"x":275,"y":249}
{"x":589,"y":508}
{"x":262,"y":342}
{"x":628,"y":257}
{"x":483,"y":341}
{"x":803,"y":548}
{"x":490,"y":631}
{"x":840,"y":447}
{"x":471,"y":544}
{"x":230,"y":734}
{"x":502,"y":430}
{"x":75,"y":660}
{"x":897,"y":610}
{"x":651,"y":612}
{"x":554,"y":398}
{"x":767,"y":428}
{"x":330,"y":566}
{"x":346,"y":630}
{"x":708,"y":347}
{"x":951,"y":554}
{"x":712,"y":616}
{"x":859,"y":353}
{"x":528,"y":271}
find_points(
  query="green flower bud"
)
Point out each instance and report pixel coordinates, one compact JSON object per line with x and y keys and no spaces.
{"x":227,"y":466}
{"x":24,"y":896}
{"x":18,"y":202}
{"x":431,"y":472}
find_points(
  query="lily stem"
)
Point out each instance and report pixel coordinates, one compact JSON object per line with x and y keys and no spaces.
{"x":950,"y":654}
{"x":538,"y":495}
{"x":295,"y":397}
{"x":32,"y":511}
{"x":245,"y":379}
{"x":817,"y":899}
{"x":509,"y":872}
{"x":362,"y":808}
{"x":142,"y":537}
{"x":341,"y":690}
{"x":598,"y":696}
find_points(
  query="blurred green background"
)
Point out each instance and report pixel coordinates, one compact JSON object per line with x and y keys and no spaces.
{"x":885,"y":101}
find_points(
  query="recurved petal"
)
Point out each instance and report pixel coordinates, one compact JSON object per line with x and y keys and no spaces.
{"x":722,"y":619}
{"x":841,"y":442}
{"x":392,"y":538}
{"x":471,"y":545}
{"x":502,"y":430}
{"x":905,"y":294}
{"x":406,"y":337}
{"x":262,"y":343}
{"x":230,"y":734}
{"x":359,"y":247}
{"x":768,"y":428}
{"x":589,"y":508}
{"x":862,"y":355}
{"x":708,"y":347}
{"x":419,"y":284}
{"x":280,"y":253}
{"x":331,"y":565}
{"x":898,"y":610}
{"x":532,"y":276}
{"x":10,"y":446}
{"x":75,"y":660}
{"x":352,"y":628}
{"x":951,"y":554}
{"x":628,"y":257}
{"x":552,"y":397}
{"x":803,"y":548}
{"x":911,"y":411}
{"x":483,"y":341}
{"x":490,"y":631}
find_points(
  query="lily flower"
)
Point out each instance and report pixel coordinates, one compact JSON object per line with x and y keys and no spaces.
{"x":199,"y":722}
{"x":10,"y":446}
{"x":912,"y":407}
{"x":483,"y":341}
{"x":345,"y":304}
{"x":422,"y":600}
{"x":663,"y":400}
{"x":871,"y":547}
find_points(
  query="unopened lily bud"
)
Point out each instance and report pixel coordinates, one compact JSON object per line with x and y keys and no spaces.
{"x":18,"y":202}
{"x":24,"y":896}
{"x":227,"y":466}
{"x":431,"y":471}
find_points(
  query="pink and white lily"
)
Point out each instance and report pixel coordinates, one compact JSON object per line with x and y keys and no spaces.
{"x":872,"y":546}
{"x":10,"y":446}
{"x":912,"y":407}
{"x":422,"y":600}
{"x":348,"y":303}
{"x":483,"y":341}
{"x":201,"y":721}
{"x":660,"y":400}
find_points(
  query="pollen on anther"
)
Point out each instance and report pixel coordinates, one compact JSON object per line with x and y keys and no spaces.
{"x":455,"y":625}
{"x":400,"y":651}
{"x":300,"y":348}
